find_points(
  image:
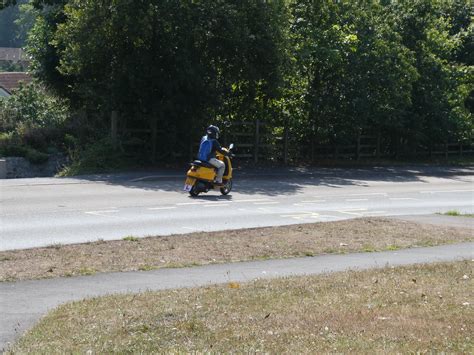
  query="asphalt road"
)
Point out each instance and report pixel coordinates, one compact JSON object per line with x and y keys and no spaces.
{"x":46,"y":211}
{"x":24,"y":303}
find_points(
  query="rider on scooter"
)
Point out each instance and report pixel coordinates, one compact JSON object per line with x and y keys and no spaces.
{"x":207,"y":151}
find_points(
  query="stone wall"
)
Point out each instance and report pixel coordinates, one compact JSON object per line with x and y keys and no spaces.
{"x":22,"y":168}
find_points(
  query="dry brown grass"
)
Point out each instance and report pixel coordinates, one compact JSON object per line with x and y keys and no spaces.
{"x":365,"y":234}
{"x":415,"y":309}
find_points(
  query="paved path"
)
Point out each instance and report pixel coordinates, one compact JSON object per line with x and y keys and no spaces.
{"x":23,"y":303}
{"x":41,"y":212}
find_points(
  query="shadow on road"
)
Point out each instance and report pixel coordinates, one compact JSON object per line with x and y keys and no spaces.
{"x":281,"y":181}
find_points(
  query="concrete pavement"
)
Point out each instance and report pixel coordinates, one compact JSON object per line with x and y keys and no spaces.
{"x":46,"y":211}
{"x":24,"y":303}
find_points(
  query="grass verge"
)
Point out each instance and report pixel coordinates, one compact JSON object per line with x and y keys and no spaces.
{"x":131,"y":254}
{"x":455,"y":213}
{"x":415,"y":309}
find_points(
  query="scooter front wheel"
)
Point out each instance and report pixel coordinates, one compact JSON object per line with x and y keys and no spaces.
{"x":227,"y":187}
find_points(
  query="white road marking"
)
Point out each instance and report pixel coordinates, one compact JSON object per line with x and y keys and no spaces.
{"x":353,"y":212}
{"x":403,"y":199}
{"x":313,"y":201}
{"x":161,"y":208}
{"x":100,"y":213}
{"x":216,"y":205}
{"x":444,"y":192}
{"x":299,"y":216}
{"x":356,"y":199}
{"x":370,"y":194}
{"x":208,"y":203}
{"x":266,"y":203}
{"x":219,"y":202}
{"x":252,"y":200}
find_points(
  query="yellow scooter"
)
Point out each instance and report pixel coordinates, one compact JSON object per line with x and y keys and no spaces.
{"x":201,"y":176}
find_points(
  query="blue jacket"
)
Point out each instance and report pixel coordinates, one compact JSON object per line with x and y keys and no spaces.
{"x":208,"y":148}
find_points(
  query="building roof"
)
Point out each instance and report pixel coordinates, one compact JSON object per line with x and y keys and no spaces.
{"x":11,"y":81}
{"x":13,"y":54}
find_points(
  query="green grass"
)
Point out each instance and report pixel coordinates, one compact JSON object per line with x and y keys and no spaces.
{"x":455,"y":213}
{"x":412,"y":309}
{"x":131,"y":238}
{"x":85,"y":271}
{"x":146,"y":268}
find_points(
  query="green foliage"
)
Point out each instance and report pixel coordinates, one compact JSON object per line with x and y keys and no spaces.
{"x":175,"y":66}
{"x":32,"y":123}
{"x":30,"y":107}
{"x":99,"y":156}
{"x":327,"y":70}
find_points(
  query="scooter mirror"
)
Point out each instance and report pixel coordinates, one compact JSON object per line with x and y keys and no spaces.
{"x":231,"y":146}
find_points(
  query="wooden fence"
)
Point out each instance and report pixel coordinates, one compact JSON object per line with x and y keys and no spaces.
{"x":258,"y":141}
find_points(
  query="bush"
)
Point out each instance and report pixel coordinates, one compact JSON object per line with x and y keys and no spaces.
{"x":11,"y":146}
{"x":99,"y":156}
{"x":33,"y":124}
{"x":36,"y":157}
{"x":32,"y":107}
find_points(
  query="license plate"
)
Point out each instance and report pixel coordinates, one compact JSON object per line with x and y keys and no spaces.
{"x":188,"y":184}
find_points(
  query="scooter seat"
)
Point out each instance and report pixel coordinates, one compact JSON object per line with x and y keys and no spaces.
{"x":204,"y":164}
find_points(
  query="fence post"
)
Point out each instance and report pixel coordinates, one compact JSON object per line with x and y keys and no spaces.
{"x":257,"y":139}
{"x":377,"y":149}
{"x":358,"y":147}
{"x":154,"y":133}
{"x":113,"y":126}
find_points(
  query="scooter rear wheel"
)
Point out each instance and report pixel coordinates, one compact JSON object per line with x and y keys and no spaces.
{"x":227,"y":187}
{"x":194,"y":192}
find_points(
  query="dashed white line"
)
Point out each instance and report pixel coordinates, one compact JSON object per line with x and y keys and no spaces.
{"x":370,"y":194}
{"x":403,"y":199}
{"x":216,"y":205}
{"x":189,"y":203}
{"x":354,"y":211}
{"x":162,"y":208}
{"x":299,"y":216}
{"x":313,"y":201}
{"x":356,"y":199}
{"x":219,"y":202}
{"x":100,"y":213}
{"x":444,"y":192}
{"x":252,"y":200}
{"x":267,"y":203}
